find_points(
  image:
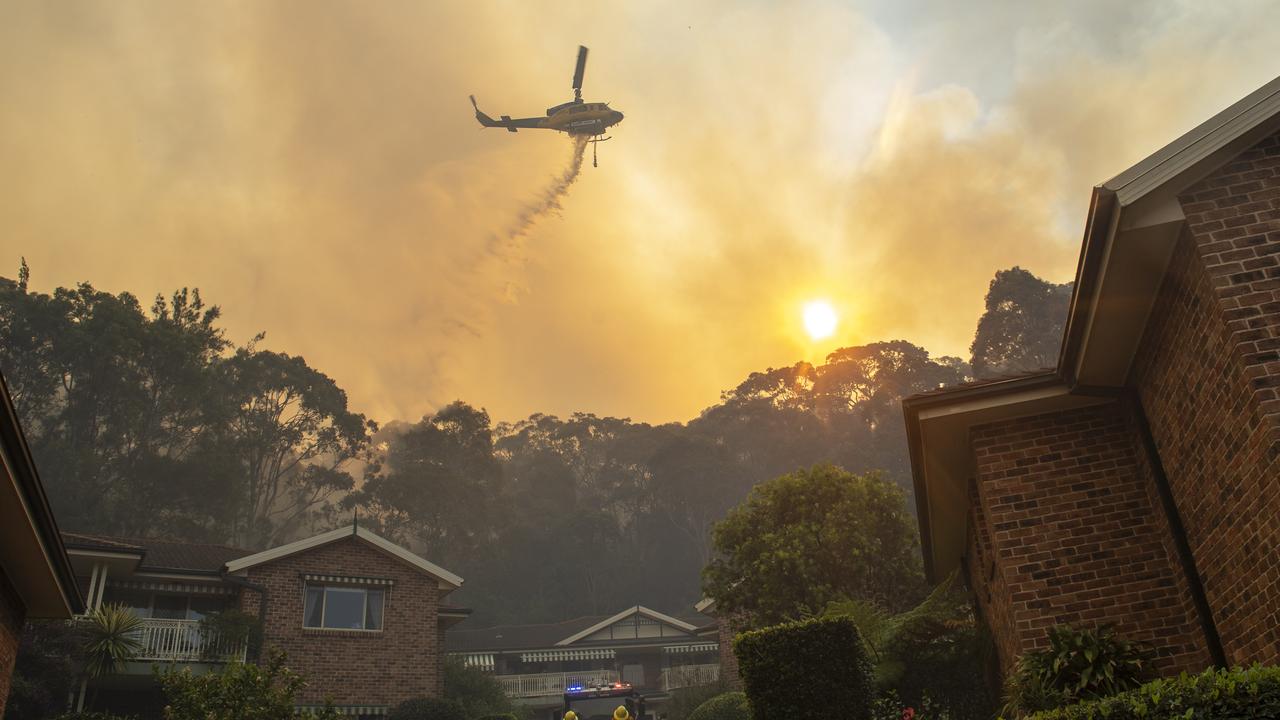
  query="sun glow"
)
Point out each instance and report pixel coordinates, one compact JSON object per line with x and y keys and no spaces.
{"x":819,"y":319}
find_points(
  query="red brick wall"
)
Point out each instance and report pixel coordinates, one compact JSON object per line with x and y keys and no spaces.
{"x":728,"y":630}
{"x":354,"y":667}
{"x":986,"y":579}
{"x":12,"y":615}
{"x":1075,"y":536}
{"x":1208,"y":373}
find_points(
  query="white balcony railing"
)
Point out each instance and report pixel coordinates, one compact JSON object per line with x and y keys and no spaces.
{"x":544,"y":684}
{"x":689,"y":676}
{"x":184,"y":641}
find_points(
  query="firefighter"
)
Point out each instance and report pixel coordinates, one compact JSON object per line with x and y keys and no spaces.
{"x":622,"y":713}
{"x":571,"y":715}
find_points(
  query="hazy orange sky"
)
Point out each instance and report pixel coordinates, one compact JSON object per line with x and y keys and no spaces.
{"x":314,"y":168}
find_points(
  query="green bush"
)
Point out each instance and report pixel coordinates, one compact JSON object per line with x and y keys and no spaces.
{"x":479,"y":693}
{"x":725,"y":706}
{"x":1079,"y":665}
{"x":427,"y":709}
{"x":811,"y":669}
{"x":92,"y":716}
{"x":1212,"y":695}
{"x":687,"y":699}
{"x":498,"y":716}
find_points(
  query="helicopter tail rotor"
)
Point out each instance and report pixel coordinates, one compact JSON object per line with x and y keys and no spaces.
{"x":577,"y":73}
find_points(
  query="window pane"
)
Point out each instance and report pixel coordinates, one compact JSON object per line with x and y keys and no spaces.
{"x":373,"y":611}
{"x":344,"y":608}
{"x":202,"y":606}
{"x":314,"y":607}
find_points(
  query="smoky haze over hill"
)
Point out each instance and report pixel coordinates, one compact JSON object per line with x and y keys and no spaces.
{"x":149,"y":421}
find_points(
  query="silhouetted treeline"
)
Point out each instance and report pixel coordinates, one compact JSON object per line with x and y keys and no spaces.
{"x":150,"y":423}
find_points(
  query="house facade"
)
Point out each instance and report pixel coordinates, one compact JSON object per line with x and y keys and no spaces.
{"x":36,"y":579}
{"x":1137,"y":483}
{"x":362,"y":618}
{"x":536,"y":664}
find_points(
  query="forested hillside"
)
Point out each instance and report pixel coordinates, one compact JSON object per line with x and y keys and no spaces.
{"x":149,"y":421}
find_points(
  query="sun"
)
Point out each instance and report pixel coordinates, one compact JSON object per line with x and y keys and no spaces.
{"x":819,"y":319}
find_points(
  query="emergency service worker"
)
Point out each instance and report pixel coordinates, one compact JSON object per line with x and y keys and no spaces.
{"x":622,"y":713}
{"x":571,"y":715}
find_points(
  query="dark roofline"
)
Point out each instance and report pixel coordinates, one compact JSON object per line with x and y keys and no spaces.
{"x":911,"y":407}
{"x":29,"y":484}
{"x":1102,"y":209}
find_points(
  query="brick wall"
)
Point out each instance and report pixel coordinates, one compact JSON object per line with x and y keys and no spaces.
{"x":12,"y":615}
{"x":986,"y":580}
{"x":728,"y":630}
{"x":1208,"y":373}
{"x":354,"y":667}
{"x":1074,"y":534}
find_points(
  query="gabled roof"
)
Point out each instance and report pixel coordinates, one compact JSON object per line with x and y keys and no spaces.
{"x":1132,"y":227}
{"x":160,"y":555}
{"x":447,"y":579}
{"x":31,"y":552}
{"x":629,"y":612}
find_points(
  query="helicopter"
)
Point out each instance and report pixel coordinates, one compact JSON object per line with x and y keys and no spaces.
{"x":576,"y":118}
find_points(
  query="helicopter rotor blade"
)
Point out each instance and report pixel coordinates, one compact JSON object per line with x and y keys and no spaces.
{"x":578,"y":71}
{"x":473,"y":102}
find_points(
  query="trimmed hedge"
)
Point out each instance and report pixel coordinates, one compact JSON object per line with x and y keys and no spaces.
{"x":725,"y":706}
{"x":816,"y":669}
{"x":427,"y":709}
{"x":1211,"y":695}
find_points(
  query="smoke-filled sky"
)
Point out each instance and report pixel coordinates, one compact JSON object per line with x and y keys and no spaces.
{"x":315,"y":169}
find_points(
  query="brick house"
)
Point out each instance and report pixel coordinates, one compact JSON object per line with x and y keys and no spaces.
{"x":1138,"y":482}
{"x":36,"y":580}
{"x":535,"y":664}
{"x":361,"y":617}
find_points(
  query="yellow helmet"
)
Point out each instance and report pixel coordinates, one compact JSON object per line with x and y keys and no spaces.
{"x":571,"y":715}
{"x":621,"y":713}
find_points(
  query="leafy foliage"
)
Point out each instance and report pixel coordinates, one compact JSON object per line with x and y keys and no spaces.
{"x":931,"y":656}
{"x":89,"y":715}
{"x":234,"y":627}
{"x":427,"y":709}
{"x":477,"y":692}
{"x":143,"y":425}
{"x":110,"y":639}
{"x":687,"y":699}
{"x":149,"y":421}
{"x":48,"y":666}
{"x":1214,"y":694}
{"x":725,"y":706}
{"x":815,"y":669}
{"x":810,"y":538}
{"x":1022,"y":326}
{"x":1078,"y":665}
{"x":239,"y":692}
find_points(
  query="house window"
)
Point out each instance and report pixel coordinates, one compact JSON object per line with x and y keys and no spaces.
{"x":339,"y":607}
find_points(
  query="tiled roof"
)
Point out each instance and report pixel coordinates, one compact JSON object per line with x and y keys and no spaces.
{"x":159,"y":554}
{"x":529,"y":637}
{"x":517,"y":637}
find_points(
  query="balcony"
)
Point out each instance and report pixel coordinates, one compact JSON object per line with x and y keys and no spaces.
{"x":185,"y":641}
{"x":689,"y":676}
{"x":548,"y":684}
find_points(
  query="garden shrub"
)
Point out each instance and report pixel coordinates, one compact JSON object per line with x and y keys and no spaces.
{"x":498,"y":716}
{"x":427,"y":709}
{"x":725,"y":706}
{"x":811,"y":669}
{"x":1212,"y":695}
{"x":687,"y":699}
{"x":479,"y":693}
{"x":94,"y":715}
{"x":1078,"y":665}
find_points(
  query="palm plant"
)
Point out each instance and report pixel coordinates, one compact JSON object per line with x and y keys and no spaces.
{"x":111,"y":640}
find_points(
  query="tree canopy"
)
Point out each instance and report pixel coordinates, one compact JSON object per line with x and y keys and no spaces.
{"x":150,"y":421}
{"x":814,"y":537}
{"x":1022,"y":326}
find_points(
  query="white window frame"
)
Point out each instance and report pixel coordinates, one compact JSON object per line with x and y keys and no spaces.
{"x":324,"y":606}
